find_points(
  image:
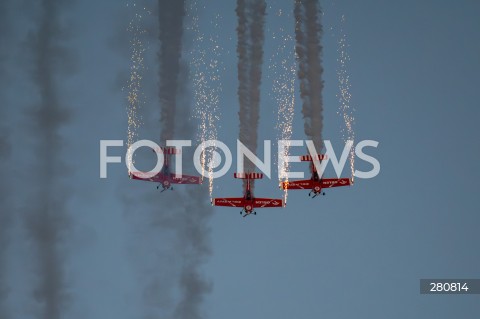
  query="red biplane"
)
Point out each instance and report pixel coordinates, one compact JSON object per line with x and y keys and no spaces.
{"x":248,"y":202}
{"x":165,"y":178}
{"x":315,"y":184}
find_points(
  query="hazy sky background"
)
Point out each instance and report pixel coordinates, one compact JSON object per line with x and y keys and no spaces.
{"x":355,"y":253}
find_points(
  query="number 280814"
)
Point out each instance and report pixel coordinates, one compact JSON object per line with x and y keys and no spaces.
{"x":448,"y":287}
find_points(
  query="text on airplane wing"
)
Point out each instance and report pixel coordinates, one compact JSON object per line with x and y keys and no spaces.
{"x":267,"y":202}
{"x":186,"y":179}
{"x":229,"y":202}
{"x":304,"y":184}
{"x":336,"y":182}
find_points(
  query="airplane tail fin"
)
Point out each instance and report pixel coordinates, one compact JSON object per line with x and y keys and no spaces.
{"x":168,"y":150}
{"x":308,"y":158}
{"x":248,"y":175}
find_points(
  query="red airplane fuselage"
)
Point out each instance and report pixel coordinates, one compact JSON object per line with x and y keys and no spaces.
{"x":316,"y":184}
{"x":165,"y":178}
{"x":248,"y":202}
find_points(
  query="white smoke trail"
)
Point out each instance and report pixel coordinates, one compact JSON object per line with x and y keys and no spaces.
{"x":308,"y":32}
{"x":170,"y":16}
{"x":242,"y":69}
{"x":5,"y":153}
{"x":177,"y":222}
{"x":47,"y":220}
{"x":250,"y":31}
{"x":258,"y":11}
{"x":5,"y":216}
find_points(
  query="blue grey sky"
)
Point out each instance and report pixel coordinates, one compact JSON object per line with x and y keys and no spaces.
{"x":354,"y":253}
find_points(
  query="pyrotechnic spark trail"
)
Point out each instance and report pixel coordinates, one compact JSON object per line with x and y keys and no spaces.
{"x":282,"y":68}
{"x":308,"y":31}
{"x":135,"y":97}
{"x":250,"y":30}
{"x":205,"y":66}
{"x":344,"y":96}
